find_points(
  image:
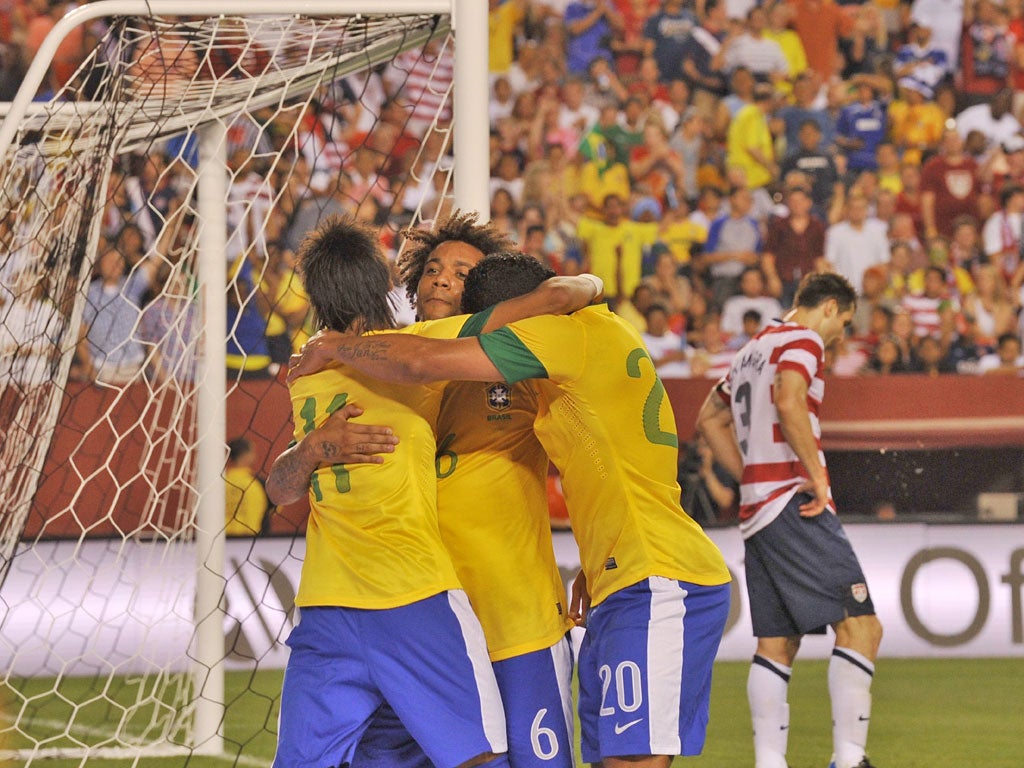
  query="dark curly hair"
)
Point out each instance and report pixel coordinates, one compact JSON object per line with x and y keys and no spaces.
{"x":499,"y":277}
{"x":459,"y":226}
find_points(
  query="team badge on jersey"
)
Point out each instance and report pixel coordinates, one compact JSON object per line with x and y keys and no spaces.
{"x":860,"y":592}
{"x":499,"y":396}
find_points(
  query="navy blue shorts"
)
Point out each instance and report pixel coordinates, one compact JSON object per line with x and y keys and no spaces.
{"x":802,"y":575}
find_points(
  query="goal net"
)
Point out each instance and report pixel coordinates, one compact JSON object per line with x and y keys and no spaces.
{"x":150,"y":208}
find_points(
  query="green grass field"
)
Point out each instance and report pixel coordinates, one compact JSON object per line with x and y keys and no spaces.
{"x":927,"y":713}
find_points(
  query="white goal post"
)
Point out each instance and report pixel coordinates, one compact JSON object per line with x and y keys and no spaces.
{"x":62,"y":135}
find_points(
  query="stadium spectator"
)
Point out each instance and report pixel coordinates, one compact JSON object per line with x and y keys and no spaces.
{"x":245,"y":499}
{"x":709,"y":491}
{"x":742,"y":419}
{"x":780,"y":14}
{"x":820,"y":24}
{"x":670,"y":289}
{"x":590,"y":26}
{"x":908,"y":201}
{"x":709,"y":354}
{"x":665,"y":347}
{"x":795,"y":243}
{"x":920,"y":60}
{"x":1006,"y":360}
{"x":109,"y":350}
{"x":734,"y":243}
{"x":752,"y":296}
{"x":991,"y":310}
{"x":656,"y":169}
{"x":683,"y":235}
{"x":949,"y":186}
{"x":865,"y":45}
{"x":993,"y":118}
{"x":925,"y":305}
{"x":611,"y":249}
{"x":741,"y":93}
{"x":756,"y":51}
{"x":169,"y":330}
{"x":505,"y":18}
{"x":886,"y":358}
{"x":665,"y":34}
{"x":819,"y":167}
{"x":633,"y":310}
{"x":986,"y":52}
{"x":861,"y":128}
{"x":688,"y":141}
{"x":1001,"y":235}
{"x":856,"y":243}
{"x":704,"y":57}
{"x":750,"y":145}
{"x":803,"y":107}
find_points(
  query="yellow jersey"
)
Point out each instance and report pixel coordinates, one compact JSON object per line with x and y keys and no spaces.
{"x":493,"y":508}
{"x":372,"y":540}
{"x":245,"y":502}
{"x":607,"y":425}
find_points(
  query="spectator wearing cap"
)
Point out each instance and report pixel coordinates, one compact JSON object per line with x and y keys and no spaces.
{"x":750,"y":145}
{"x":795,"y":243}
{"x":1001,"y":233}
{"x":986,"y":52}
{"x":920,"y":60}
{"x":760,"y":54}
{"x":993,"y":119}
{"x":949,"y":186}
{"x":915,"y":121}
{"x":861,"y":127}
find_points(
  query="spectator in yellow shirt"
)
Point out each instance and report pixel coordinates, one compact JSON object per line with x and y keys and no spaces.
{"x":245,"y":500}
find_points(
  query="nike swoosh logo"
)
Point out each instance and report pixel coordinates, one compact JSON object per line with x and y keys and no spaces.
{"x":862,"y":718}
{"x":625,"y":726}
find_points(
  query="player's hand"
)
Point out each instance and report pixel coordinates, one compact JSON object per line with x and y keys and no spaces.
{"x":819,"y":491}
{"x":579,"y":602}
{"x":315,"y":354}
{"x":342,"y":441}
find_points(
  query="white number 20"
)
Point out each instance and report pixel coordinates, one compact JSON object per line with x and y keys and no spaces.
{"x":635,"y":690}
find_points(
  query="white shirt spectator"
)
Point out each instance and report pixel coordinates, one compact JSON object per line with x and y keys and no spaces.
{"x":851,"y":250}
{"x":979,"y":118}
{"x":659,"y":346}
{"x":737,"y":306}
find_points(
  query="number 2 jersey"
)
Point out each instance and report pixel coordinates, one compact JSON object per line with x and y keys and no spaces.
{"x":607,"y":425}
{"x":771,"y":469}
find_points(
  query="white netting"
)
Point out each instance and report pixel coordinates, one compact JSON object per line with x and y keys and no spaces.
{"x":101,"y":327}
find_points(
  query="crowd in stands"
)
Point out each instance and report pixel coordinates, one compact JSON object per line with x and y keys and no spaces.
{"x":700,"y":156}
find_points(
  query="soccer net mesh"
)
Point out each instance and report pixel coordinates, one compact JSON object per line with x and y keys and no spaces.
{"x":102,"y":323}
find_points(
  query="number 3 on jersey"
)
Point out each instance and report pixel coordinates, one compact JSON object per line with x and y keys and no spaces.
{"x":308,"y":414}
{"x":652,"y":406}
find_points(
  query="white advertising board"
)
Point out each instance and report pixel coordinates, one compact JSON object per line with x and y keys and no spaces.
{"x":940,"y":590}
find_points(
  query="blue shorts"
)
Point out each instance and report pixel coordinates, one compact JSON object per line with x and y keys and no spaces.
{"x":427,"y":660}
{"x":536,"y":692}
{"x":645,"y":669}
{"x":802,"y":575}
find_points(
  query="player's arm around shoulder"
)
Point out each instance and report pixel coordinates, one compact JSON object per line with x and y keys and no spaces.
{"x":555,"y":296}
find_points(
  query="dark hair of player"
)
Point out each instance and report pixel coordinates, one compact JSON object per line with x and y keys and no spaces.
{"x":501,"y":276}
{"x":818,"y":288}
{"x":459,"y":226}
{"x":346,"y":275}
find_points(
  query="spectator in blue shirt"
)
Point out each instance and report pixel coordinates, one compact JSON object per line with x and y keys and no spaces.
{"x":860,"y":129}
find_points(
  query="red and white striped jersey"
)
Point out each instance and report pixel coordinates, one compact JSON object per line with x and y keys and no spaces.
{"x":771,"y":469}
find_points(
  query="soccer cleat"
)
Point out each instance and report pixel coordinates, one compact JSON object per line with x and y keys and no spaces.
{"x":865,"y":763}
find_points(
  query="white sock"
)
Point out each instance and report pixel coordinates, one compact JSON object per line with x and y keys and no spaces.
{"x":767,"y":688}
{"x":849,"y":687}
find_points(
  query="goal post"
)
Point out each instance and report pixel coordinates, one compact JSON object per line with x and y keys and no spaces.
{"x":230,"y":92}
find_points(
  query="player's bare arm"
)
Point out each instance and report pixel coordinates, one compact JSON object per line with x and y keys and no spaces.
{"x":579,"y":600}
{"x":555,"y":296}
{"x":337,"y":441}
{"x":398,"y":357}
{"x":715,"y":422}
{"x":795,"y":422}
{"x":408,"y":359}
